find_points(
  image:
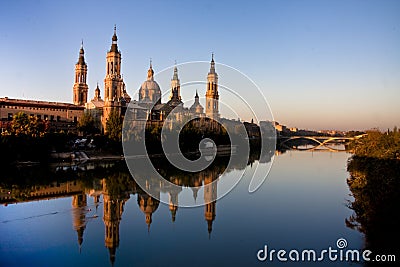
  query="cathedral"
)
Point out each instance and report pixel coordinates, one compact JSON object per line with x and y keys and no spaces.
{"x":148,"y":107}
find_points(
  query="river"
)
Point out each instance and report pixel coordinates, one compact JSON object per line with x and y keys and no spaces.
{"x":105,"y":219}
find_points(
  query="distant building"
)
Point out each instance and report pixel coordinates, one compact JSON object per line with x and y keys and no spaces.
{"x":280,"y":128}
{"x":61,"y":116}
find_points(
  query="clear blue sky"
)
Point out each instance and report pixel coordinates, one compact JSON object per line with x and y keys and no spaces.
{"x":321,"y":64}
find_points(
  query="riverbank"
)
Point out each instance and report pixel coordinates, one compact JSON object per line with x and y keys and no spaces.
{"x":93,"y":155}
{"x":374,"y":184}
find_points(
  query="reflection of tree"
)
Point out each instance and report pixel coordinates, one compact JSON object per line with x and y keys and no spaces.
{"x":375,"y":185}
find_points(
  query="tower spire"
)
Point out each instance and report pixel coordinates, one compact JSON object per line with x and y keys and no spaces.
{"x":212,"y":67}
{"x":150,"y":72}
{"x":175,"y":77}
{"x":81,"y":59}
{"x":175,"y":85}
{"x":114,"y":46}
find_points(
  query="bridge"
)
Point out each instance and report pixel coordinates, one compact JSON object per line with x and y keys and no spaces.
{"x":321,"y":141}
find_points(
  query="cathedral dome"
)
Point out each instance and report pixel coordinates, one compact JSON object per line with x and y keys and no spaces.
{"x":196,"y":107}
{"x":150,"y":90}
{"x":150,"y":85}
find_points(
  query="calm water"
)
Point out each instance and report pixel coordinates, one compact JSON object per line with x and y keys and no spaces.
{"x":109,"y":220}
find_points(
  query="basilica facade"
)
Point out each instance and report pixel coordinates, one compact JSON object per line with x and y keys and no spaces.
{"x":148,"y":106}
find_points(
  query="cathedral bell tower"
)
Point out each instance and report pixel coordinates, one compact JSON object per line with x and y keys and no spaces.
{"x":212,"y":96}
{"x":113,"y":82}
{"x":175,"y":85}
{"x":80,"y":86}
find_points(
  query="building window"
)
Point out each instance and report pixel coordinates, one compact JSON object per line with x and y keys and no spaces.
{"x":52,"y":117}
{"x":10,"y":116}
{"x":39,"y":117}
{"x":58,"y":118}
{"x":45,"y":117}
{"x":75,"y":119}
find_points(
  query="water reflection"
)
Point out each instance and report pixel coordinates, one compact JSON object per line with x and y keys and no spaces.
{"x":102,"y":211}
{"x":113,"y":206}
{"x":79,"y":211}
{"x":115,"y":186}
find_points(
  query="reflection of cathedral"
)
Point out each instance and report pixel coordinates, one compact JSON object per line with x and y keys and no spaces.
{"x":116,"y":190}
{"x":148,"y":205}
{"x":210,"y":200}
{"x":112,"y":214}
{"x":79,"y":211}
{"x":173,"y":203}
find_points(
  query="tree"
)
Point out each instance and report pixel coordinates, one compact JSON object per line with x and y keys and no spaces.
{"x":86,"y":124}
{"x":22,"y":124}
{"x":378,"y":145}
{"x":114,"y":126}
